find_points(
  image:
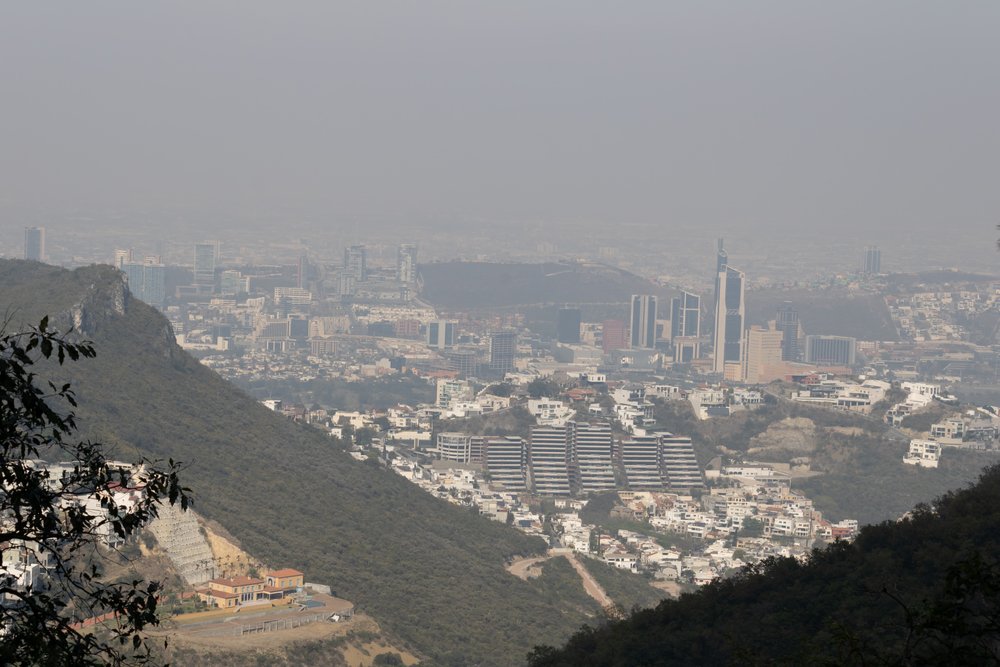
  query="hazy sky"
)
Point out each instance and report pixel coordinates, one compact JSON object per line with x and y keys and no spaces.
{"x":788,"y":114}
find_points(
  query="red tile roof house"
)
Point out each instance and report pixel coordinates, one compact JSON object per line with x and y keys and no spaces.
{"x":242,"y":591}
{"x":285,"y":579}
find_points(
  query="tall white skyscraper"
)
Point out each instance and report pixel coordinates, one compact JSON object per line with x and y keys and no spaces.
{"x":406,"y":263}
{"x":34,"y":243}
{"x":643,"y":330}
{"x":355,"y":262}
{"x":204,"y":264}
{"x":729,"y":314}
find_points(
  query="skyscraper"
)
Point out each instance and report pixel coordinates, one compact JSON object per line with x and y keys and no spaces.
{"x":643,"y":330}
{"x":122,"y":256}
{"x":763,"y":348}
{"x":787,"y":322}
{"x":503,"y":347}
{"x":685,"y":327}
{"x":440,"y":334}
{"x":300,"y":277}
{"x":204,"y":264}
{"x":614,"y":336}
{"x":145,"y":281}
{"x":153,"y":280}
{"x":355,"y":262}
{"x":406,"y":263}
{"x":873,"y":259}
{"x":729,"y":314}
{"x":34,"y":243}
{"x":568,"y":325}
{"x":685,"y":311}
{"x":231,"y":282}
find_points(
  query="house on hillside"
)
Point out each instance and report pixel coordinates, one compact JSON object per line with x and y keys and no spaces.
{"x":285,"y":579}
{"x":243,"y":591}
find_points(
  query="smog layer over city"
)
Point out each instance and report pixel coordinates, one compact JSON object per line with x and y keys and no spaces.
{"x":528,"y":334}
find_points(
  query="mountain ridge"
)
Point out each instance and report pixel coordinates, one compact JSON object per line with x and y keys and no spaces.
{"x":432,"y":573}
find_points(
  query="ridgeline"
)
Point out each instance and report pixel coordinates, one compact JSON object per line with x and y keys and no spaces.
{"x":923,"y":591}
{"x":429,"y":572}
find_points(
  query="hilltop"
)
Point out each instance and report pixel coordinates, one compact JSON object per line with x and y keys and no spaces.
{"x":830,"y":313}
{"x":845,"y":606}
{"x":485,"y":285}
{"x":427,"y":571}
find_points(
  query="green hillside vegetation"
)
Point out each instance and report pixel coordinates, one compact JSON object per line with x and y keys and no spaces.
{"x":627,"y":589}
{"x":484,"y":286}
{"x":429,"y":572}
{"x":864,"y":474}
{"x":923,"y":591}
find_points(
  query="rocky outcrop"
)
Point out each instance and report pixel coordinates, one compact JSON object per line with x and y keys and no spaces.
{"x":796,"y":434}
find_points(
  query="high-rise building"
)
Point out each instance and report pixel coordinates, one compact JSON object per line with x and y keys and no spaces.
{"x":614,"y":336}
{"x":34,"y":243}
{"x":685,"y":320}
{"x":503,"y":348}
{"x":204,"y":264}
{"x":787,"y":322}
{"x":145,"y":281}
{"x":568,"y":325}
{"x":641,"y":461}
{"x":763,"y":348}
{"x":122,"y":256}
{"x":643,"y":328}
{"x":153,"y":283}
{"x":685,"y":327}
{"x":873,"y":259}
{"x":133,"y":278}
{"x":232,"y":282}
{"x":345,"y":284}
{"x":355,"y":262}
{"x":406,"y":263}
{"x":593,"y":450}
{"x":680,"y":465}
{"x":830,"y":350}
{"x":454,"y":447}
{"x":301,"y":281}
{"x":729,"y":314}
{"x":440,"y":334}
{"x":551,"y":460}
{"x":505,"y":461}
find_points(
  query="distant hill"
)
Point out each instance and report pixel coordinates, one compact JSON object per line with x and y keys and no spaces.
{"x":829,"y":313}
{"x":485,"y":286}
{"x":429,"y":572}
{"x":842,"y":607}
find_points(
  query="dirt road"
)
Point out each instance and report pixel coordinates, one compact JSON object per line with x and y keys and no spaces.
{"x":592,"y":587}
{"x":594,"y":590}
{"x":520,"y":568}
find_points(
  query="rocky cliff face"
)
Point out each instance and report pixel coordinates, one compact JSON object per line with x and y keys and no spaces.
{"x":107,"y":302}
{"x":105,"y":298}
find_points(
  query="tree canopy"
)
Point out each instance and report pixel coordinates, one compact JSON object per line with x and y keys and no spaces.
{"x":60,"y":520}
